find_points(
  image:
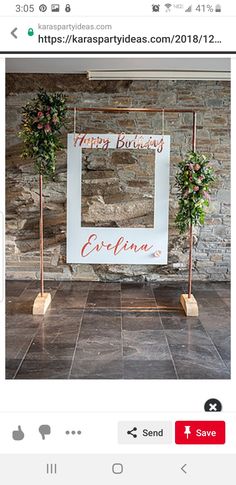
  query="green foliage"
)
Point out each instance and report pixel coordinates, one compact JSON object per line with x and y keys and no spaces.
{"x":42,"y":119}
{"x":193,"y":179}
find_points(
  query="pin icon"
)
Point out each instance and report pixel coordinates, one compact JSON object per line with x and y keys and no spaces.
{"x":44,"y":430}
{"x":18,"y":434}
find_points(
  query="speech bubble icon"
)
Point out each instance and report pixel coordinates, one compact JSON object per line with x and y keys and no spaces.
{"x":44,"y":430}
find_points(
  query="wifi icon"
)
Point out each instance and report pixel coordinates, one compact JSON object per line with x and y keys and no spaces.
{"x":168,"y":7}
{"x":189,"y":9}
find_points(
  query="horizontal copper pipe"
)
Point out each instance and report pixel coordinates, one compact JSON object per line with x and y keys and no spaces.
{"x":134,"y":110}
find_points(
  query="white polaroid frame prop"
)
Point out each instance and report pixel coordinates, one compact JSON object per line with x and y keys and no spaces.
{"x":112,"y":245}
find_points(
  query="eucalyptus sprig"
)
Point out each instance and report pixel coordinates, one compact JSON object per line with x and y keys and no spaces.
{"x":42,"y":119}
{"x":193,"y":179}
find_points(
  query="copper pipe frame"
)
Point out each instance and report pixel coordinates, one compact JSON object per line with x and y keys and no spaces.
{"x":190,"y":260}
{"x":194,"y":133}
{"x":133,"y":110}
{"x":41,"y":234}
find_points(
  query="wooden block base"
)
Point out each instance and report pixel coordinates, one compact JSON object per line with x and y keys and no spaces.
{"x":189,"y":305}
{"x":41,"y":303}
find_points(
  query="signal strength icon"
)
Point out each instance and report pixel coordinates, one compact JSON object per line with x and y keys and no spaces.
{"x":189,"y":9}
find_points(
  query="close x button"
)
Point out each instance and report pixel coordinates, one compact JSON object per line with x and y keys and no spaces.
{"x":200,"y":432}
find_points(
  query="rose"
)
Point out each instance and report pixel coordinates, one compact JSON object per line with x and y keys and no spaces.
{"x":47,"y":128}
{"x":40,"y":126}
{"x":40,"y":114}
{"x":195,"y":188}
{"x":206,"y":195}
{"x":186,"y":193}
{"x":197,"y":167}
{"x":55,"y":119}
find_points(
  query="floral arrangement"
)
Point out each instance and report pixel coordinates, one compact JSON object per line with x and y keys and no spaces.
{"x":42,"y":119}
{"x":193,"y":179}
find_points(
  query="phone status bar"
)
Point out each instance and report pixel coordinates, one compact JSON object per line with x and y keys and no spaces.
{"x":107,"y":9}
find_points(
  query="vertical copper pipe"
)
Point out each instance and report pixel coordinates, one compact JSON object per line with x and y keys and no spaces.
{"x":190,"y":261}
{"x":194,"y":134}
{"x":41,"y":234}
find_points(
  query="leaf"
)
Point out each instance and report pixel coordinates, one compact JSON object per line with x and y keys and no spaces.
{"x":40,"y":145}
{"x":192,"y":204}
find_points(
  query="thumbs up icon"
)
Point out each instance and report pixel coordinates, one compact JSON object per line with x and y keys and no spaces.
{"x":18,"y":434}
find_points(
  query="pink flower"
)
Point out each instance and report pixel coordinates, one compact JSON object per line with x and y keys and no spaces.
{"x":206,"y":195}
{"x":40,"y":114}
{"x":197,"y":167}
{"x":191,"y":178}
{"x":55,"y":119}
{"x":40,"y":126}
{"x":47,"y":128}
{"x":186,"y":193}
{"x":190,"y":166}
{"x":196,"y":188}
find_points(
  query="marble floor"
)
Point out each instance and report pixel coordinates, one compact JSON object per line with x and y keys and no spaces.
{"x":117,"y":331}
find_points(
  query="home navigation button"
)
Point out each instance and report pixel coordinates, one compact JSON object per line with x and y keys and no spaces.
{"x":117,"y":468}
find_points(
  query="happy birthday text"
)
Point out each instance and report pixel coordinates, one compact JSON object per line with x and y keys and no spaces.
{"x":121,"y":141}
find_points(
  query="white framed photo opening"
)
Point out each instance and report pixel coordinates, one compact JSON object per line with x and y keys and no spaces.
{"x":116,"y":245}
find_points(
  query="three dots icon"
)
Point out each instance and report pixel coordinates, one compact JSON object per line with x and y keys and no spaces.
{"x":73,"y":432}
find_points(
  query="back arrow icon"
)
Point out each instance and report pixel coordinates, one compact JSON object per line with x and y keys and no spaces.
{"x":13,"y":32}
{"x":183,"y":468}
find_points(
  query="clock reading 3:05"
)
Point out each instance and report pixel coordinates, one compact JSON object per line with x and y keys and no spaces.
{"x":24,"y":8}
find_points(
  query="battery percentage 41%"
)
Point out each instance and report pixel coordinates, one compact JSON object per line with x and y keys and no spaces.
{"x":205,"y":8}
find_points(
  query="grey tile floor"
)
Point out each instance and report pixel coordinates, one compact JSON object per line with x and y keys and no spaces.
{"x":117,"y":331}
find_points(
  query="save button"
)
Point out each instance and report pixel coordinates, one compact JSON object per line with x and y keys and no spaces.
{"x":200,"y":432}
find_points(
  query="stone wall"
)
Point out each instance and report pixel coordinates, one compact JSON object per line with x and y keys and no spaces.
{"x":118,"y":188}
{"x":211,"y":243}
